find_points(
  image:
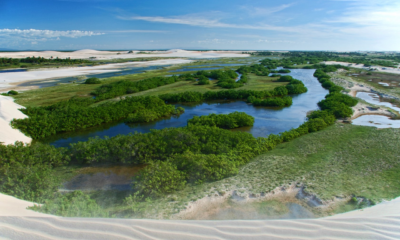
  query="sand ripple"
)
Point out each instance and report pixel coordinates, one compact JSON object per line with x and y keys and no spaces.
{"x":80,"y":228}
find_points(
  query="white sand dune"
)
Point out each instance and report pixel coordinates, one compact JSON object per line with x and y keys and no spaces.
{"x":379,"y":222}
{"x":9,"y":80}
{"x":361,"y":66}
{"x":9,"y":111}
{"x":101,"y":55}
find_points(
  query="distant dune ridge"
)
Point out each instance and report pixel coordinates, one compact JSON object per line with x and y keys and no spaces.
{"x":378,"y":222}
{"x":101,"y":55}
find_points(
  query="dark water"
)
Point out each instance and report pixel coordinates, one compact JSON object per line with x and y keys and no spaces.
{"x":122,"y":72}
{"x":103,"y":178}
{"x":13,"y":70}
{"x":267,"y":120}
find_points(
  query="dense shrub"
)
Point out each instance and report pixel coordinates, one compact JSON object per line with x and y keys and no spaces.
{"x":271,"y":102}
{"x":161,"y":144}
{"x":77,"y":114}
{"x":203,"y":80}
{"x":285,"y":78}
{"x":12,"y":92}
{"x":339,"y":97}
{"x":284,"y":71}
{"x":75,"y":204}
{"x":92,"y":80}
{"x":335,"y":102}
{"x":27,"y":171}
{"x":227,"y":121}
{"x":159,"y":178}
{"x":200,"y":168}
{"x":257,"y":69}
{"x":280,"y":91}
{"x":120,"y":88}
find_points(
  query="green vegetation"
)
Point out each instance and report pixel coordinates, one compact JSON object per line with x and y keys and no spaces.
{"x":226,"y":79}
{"x":10,"y":93}
{"x":226,"y":121}
{"x":77,"y":114}
{"x":159,"y":178}
{"x":26,"y":172}
{"x":271,"y":102}
{"x":75,"y":204}
{"x":39,"y":61}
{"x":120,"y":88}
{"x":92,"y":80}
{"x":203,"y":80}
{"x":335,"y":102}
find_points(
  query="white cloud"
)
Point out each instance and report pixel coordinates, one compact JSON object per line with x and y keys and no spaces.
{"x":195,"y":20}
{"x":136,"y":31}
{"x":266,"y":11}
{"x":35,"y":35}
{"x":370,"y":19}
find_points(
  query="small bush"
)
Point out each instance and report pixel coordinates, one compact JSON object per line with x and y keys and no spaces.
{"x":92,"y":80}
{"x":286,"y":78}
{"x":159,"y":178}
{"x":12,"y":92}
{"x":203,"y":80}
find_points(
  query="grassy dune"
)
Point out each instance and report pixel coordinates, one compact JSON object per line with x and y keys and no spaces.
{"x":340,"y":161}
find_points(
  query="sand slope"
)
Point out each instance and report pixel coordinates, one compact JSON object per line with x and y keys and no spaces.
{"x":378,"y":222}
{"x":9,"y":111}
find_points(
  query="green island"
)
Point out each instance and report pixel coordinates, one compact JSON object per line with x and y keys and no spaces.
{"x":340,"y":166}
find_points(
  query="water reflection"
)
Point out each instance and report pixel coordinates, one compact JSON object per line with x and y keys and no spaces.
{"x":376,"y":121}
{"x":374,"y":98}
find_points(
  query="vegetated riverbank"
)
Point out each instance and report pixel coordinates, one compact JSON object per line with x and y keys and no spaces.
{"x":369,"y":106}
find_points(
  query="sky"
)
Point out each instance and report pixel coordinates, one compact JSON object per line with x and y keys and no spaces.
{"x":341,"y":25}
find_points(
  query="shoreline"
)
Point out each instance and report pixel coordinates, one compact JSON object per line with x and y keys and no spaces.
{"x":363,"y":109}
{"x":293,"y":193}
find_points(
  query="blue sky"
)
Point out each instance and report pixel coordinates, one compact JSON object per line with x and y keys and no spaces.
{"x":206,"y":24}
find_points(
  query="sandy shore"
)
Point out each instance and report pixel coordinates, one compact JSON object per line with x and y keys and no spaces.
{"x":102,"y":55}
{"x":378,"y":222}
{"x":10,"y":79}
{"x":361,"y":66}
{"x":362,"y":109}
{"x":9,"y":111}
